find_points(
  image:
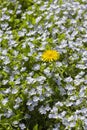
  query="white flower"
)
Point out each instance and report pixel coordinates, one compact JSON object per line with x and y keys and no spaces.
{"x":4,"y":101}
{"x":41,"y":79}
{"x":69,"y":104}
{"x":78,"y":102}
{"x":17,"y":81}
{"x":68,"y":79}
{"x":22,"y":126}
{"x":30,"y":80}
{"x":7,"y":61}
{"x":38,"y":19}
{"x":59,"y":104}
{"x":54,"y":116}
{"x":5,"y":17}
{"x":32,"y":92}
{"x":21,"y":33}
{"x":30,"y":102}
{"x":36,"y":67}
{"x":18,"y":100}
{"x":4,"y":82}
{"x":15,"y":122}
{"x":73,"y":98}
{"x":54,"y":109}
{"x":69,"y":87}
{"x":23,"y":69}
{"x":72,"y":124}
{"x":4,"y":52}
{"x":14,"y":91}
{"x":42,"y":110}
{"x":47,"y":108}
{"x":47,"y":72}
{"x":85,"y":121}
{"x":9,"y":113}
{"x":8,"y":90}
{"x":35,"y":99}
{"x":16,"y":106}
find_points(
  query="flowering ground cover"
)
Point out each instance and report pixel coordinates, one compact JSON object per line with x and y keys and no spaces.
{"x":43,"y":64}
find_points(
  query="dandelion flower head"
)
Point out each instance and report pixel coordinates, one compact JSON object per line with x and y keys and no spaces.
{"x":50,"y":55}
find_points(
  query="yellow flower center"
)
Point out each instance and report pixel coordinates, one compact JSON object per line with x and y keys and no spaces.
{"x":50,"y":55}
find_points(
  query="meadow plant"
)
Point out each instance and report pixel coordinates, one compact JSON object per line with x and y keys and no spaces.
{"x":43,"y":65}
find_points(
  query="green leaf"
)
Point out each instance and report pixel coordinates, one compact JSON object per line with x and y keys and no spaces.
{"x":60,"y":2}
{"x":35,"y":127}
{"x":61,"y":37}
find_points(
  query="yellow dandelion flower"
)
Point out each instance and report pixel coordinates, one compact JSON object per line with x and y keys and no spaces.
{"x":50,"y":55}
